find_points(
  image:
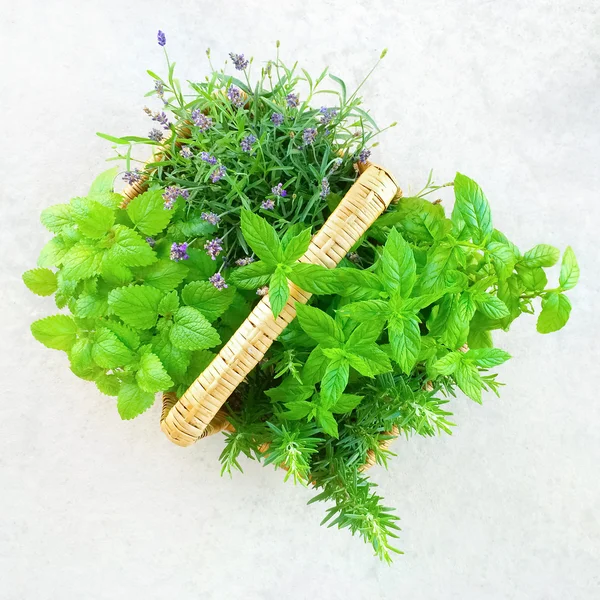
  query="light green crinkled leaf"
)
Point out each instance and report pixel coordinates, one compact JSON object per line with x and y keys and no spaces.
{"x":448,"y":325}
{"x":369,"y":360}
{"x":169,"y":304}
{"x":569,"y":270}
{"x":210,"y":301}
{"x":133,"y":401}
{"x":534,"y":279}
{"x":346,"y":403}
{"x":473,"y":207}
{"x":556,"y":309}
{"x":109,"y":351}
{"x":327,"y":422}
{"x":40,"y":281}
{"x":91,"y":306}
{"x":466,"y":307}
{"x":405,"y":340}
{"x":82,"y":362}
{"x":487,"y":357}
{"x":58,"y":332}
{"x":503,"y":259}
{"x":468,"y":380}
{"x":498,"y":236}
{"x":127,"y":335}
{"x":136,"y":305}
{"x":542,"y":255}
{"x":314,"y":367}
{"x":200,"y":266}
{"x":128,"y":248}
{"x":148,"y":213}
{"x":397,"y":265}
{"x":108,"y":385}
{"x":195,"y":226}
{"x":296,"y":246}
{"x":480,"y":338}
{"x":365,"y":310}
{"x":164,"y":275}
{"x":448,"y":364}
{"x":365,"y":333}
{"x":53,"y":252}
{"x":192,"y":330}
{"x":261,"y":237}
{"x":315,"y":279}
{"x":151,"y":375}
{"x":92,"y":218}
{"x":103,"y":183}
{"x":334,"y":381}
{"x":319,"y":326}
{"x":433,"y":276}
{"x":509,"y":292}
{"x":57,"y":217}
{"x":491,"y":306}
{"x":279,"y":291}
{"x":176,"y":360}
{"x":115,"y":275}
{"x":82,"y":261}
{"x":252,"y":276}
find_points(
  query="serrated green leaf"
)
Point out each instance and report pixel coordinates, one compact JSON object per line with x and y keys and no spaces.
{"x":297,"y":409}
{"x":82,"y":362}
{"x":433,"y":276}
{"x":108,"y":385}
{"x":91,"y":306}
{"x":503,"y":259}
{"x":151,"y":375}
{"x":53,"y":252}
{"x":200,"y":265}
{"x":365,"y":310}
{"x":346,"y":403}
{"x":468,"y":380}
{"x":128,"y":248}
{"x":448,"y":364}
{"x":127,"y":335}
{"x":82,"y":261}
{"x":136,"y":305}
{"x":252,"y":276}
{"x":533,"y":278}
{"x":569,"y":270}
{"x":334,"y":381}
{"x":103,"y":184}
{"x":358,"y":284}
{"x":327,"y":422}
{"x":296,"y":246}
{"x":365,"y":333}
{"x":314,"y":367}
{"x":261,"y":237}
{"x":466,"y":307}
{"x":57,"y":217}
{"x":397,"y":265}
{"x":192,"y":330}
{"x":148,"y":213}
{"x":58,"y":332}
{"x":279,"y":291}
{"x":195,"y":226}
{"x":405,"y":340}
{"x":133,"y":401}
{"x":487,"y":357}
{"x":491,"y":306}
{"x":40,"y":281}
{"x":169,"y":303}
{"x":164,"y":275}
{"x":210,"y":301}
{"x":92,"y":218}
{"x":315,"y":279}
{"x":109,"y":351}
{"x":319,"y":326}
{"x":542,"y":255}
{"x":115,"y":275}
{"x":480,"y":338}
{"x":556,"y":310}
{"x":473,"y":207}
{"x":368,"y":359}
{"x":176,"y":360}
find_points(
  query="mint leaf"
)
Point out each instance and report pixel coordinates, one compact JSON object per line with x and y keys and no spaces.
{"x":53,"y":252}
{"x":569,"y":270}
{"x":533,"y":278}
{"x":128,"y":248}
{"x":405,"y":341}
{"x":192,"y":330}
{"x":368,"y":359}
{"x":80,"y":357}
{"x":169,"y":304}
{"x":448,"y":364}
{"x":164,"y":275}
{"x":136,"y":305}
{"x":466,"y":307}
{"x":262,"y":238}
{"x":57,"y":217}
{"x":195,"y":226}
{"x":346,"y":403}
{"x":92,"y":218}
{"x":473,"y":207}
{"x":58,"y":332}
{"x":365,"y":310}
{"x":82,"y":261}
{"x":327,"y":422}
{"x":200,"y":265}
{"x":148,"y":213}
{"x":298,"y":409}
{"x":176,"y":360}
{"x":366,"y":333}
{"x":109,"y":351}
{"x":151,"y":375}
{"x":468,"y":380}
{"x":108,"y":385}
{"x":91,"y":306}
{"x":103,"y":183}
{"x":556,"y":309}
{"x":491,"y":306}
{"x":252,"y":276}
{"x":433,"y":276}
{"x":127,"y":335}
{"x":133,"y":401}
{"x":279,"y":291}
{"x":503,"y":259}
{"x":319,"y":326}
{"x":334,"y":381}
{"x":357,"y":284}
{"x":296,"y":246}
{"x":397,"y":265}
{"x":210,"y":301}
{"x":40,"y":281}
{"x":314,"y":367}
{"x":315,"y":279}
{"x":487,"y":357}
{"x":115,"y":275}
{"x":541,"y":255}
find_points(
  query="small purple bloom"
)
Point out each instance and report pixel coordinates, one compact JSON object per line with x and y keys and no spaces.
{"x":239,"y":61}
{"x":218,"y":174}
{"x":246,"y":143}
{"x":160,"y":90}
{"x":277,"y":119}
{"x":156,"y":135}
{"x":171,"y":193}
{"x":268,"y":204}
{"x":201,"y":120}
{"x":132,"y":177}
{"x":151,"y":242}
{"x":364,"y":156}
{"x":186,"y":152}
{"x":325,"y":189}
{"x":218,"y":281}
{"x":213,"y":248}
{"x":242,"y":262}
{"x":328,"y":114}
{"x":262,"y":291}
{"x":179,"y":251}
{"x":309,"y":135}
{"x":235,"y":96}
{"x":161,"y":38}
{"x":210,"y":217}
{"x":208,"y":158}
{"x":161,"y":118}
{"x":292,"y":100}
{"x":337,"y":163}
{"x":279,"y":191}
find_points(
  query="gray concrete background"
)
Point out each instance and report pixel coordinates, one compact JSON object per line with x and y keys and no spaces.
{"x":91,"y":507}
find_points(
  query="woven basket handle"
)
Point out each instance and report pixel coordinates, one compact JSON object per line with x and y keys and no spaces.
{"x":197,"y":413}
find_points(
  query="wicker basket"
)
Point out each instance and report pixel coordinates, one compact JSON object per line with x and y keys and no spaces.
{"x":198,"y":413}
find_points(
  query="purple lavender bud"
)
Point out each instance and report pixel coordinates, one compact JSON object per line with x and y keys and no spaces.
{"x":328,"y":115}
{"x":277,"y":119}
{"x":325,"y":189}
{"x":235,"y":96}
{"x":309,"y":135}
{"x":186,"y":152}
{"x":201,"y":120}
{"x":171,"y":193}
{"x":218,"y":174}
{"x":161,"y":118}
{"x":213,"y":248}
{"x":239,"y":61}
{"x":268,"y":204}
{"x":363,"y":157}
{"x":161,"y":38}
{"x":210,"y":217}
{"x":151,"y":242}
{"x":132,"y":177}
{"x":279,"y":191}
{"x":337,"y":163}
{"x":262,"y":291}
{"x":156,"y":135}
{"x":242,"y":262}
{"x":218,"y":281}
{"x":292,"y":100}
{"x":208,"y":158}
{"x":160,"y":90}
{"x":246,"y":143}
{"x":179,"y":251}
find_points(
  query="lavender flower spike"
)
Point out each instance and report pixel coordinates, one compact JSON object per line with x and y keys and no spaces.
{"x":309,"y":135}
{"x":171,"y":193}
{"x":208,"y":158}
{"x":239,"y":61}
{"x":218,"y":174}
{"x":156,"y":135}
{"x":186,"y":152}
{"x":210,"y":217}
{"x":279,"y":191}
{"x":235,"y":96}
{"x":364,"y":156}
{"x":201,"y":120}
{"x":292,"y":100}
{"x":179,"y":251}
{"x":161,"y":38}
{"x":246,"y":143}
{"x":213,"y":248}
{"x":277,"y":119}
{"x":242,"y":262}
{"x":132,"y":177}
{"x":268,"y":204}
{"x":325,"y":189}
{"x":218,"y":281}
